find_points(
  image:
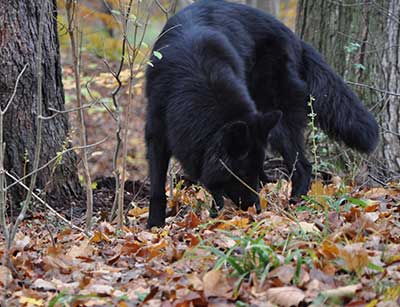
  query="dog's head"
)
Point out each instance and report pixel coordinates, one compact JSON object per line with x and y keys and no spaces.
{"x":236,"y":165}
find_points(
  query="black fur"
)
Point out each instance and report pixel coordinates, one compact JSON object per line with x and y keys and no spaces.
{"x":225,"y":66}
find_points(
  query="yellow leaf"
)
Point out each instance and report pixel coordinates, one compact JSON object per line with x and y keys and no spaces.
{"x":31,"y":301}
{"x":98,"y":236}
{"x":136,"y":212}
{"x":372,"y":303}
{"x":309,"y":227}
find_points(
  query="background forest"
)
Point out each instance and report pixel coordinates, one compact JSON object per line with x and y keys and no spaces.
{"x":74,"y":181}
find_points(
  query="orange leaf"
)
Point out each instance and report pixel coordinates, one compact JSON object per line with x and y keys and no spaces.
{"x":355,"y":257}
{"x":192,"y":220}
{"x":329,"y":250}
{"x":98,"y":236}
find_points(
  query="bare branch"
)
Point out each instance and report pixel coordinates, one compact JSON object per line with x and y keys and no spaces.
{"x":114,"y":95}
{"x":72,"y":31}
{"x":374,"y":88}
{"x":58,"y":157}
{"x":15,"y":89}
{"x":58,"y":112}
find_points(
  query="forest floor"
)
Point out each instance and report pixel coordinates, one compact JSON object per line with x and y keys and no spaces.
{"x":340,"y":246}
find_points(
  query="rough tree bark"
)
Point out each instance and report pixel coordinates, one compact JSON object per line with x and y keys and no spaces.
{"x":19,"y":24}
{"x":361,"y":40}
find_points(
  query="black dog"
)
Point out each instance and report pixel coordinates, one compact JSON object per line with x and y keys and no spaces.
{"x":221,"y":63}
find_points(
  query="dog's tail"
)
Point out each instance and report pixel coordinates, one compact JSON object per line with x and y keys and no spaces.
{"x":339,"y":112}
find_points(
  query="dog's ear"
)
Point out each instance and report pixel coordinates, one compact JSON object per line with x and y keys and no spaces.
{"x":267,"y":121}
{"x":236,"y":139}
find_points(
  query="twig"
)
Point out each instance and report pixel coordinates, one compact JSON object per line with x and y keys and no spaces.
{"x":99,"y":100}
{"x":58,"y":157}
{"x":71,"y":10}
{"x":114,"y":94}
{"x":121,"y":195}
{"x":58,"y":112}
{"x":378,"y":181}
{"x":15,"y":89}
{"x":171,"y":9}
{"x":374,"y":88}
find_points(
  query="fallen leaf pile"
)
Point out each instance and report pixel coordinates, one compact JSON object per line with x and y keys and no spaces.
{"x":339,"y":247}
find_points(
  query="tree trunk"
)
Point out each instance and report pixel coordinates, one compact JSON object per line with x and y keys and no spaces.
{"x":19,"y":26}
{"x":361,"y":41}
{"x":270,"y":6}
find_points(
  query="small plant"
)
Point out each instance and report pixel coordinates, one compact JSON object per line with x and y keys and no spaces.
{"x":64,"y":299}
{"x":249,"y":254}
{"x":317,"y":137}
{"x":314,"y":130}
{"x":352,"y":47}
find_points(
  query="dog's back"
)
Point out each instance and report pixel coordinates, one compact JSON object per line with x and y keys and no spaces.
{"x":194,"y":89}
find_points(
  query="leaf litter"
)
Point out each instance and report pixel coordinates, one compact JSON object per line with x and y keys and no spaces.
{"x":318,"y":254}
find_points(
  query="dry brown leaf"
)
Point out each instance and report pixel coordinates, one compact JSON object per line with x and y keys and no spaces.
{"x":192,"y":239}
{"x":107,"y":228}
{"x":83,"y":250}
{"x":21,"y":242}
{"x":223,"y":241}
{"x":215,"y":284}
{"x":130,"y":248}
{"x":309,"y":227}
{"x":377,"y":193}
{"x":319,"y":191}
{"x":284,"y":273}
{"x":285,"y":296}
{"x":192,"y":221}
{"x":43,"y":285}
{"x":355,"y":257}
{"x":57,"y":259}
{"x":329,"y":250}
{"x":137,"y":211}
{"x":195,"y":281}
{"x":98,"y":289}
{"x":5,"y":276}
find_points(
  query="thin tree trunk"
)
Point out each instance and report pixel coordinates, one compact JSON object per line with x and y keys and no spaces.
{"x":390,"y":68}
{"x":18,"y":46}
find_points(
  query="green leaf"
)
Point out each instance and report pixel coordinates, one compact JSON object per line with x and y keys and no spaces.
{"x":142,"y":296}
{"x":358,"y":202}
{"x":115,"y":12}
{"x":375,"y":267}
{"x":158,"y":55}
